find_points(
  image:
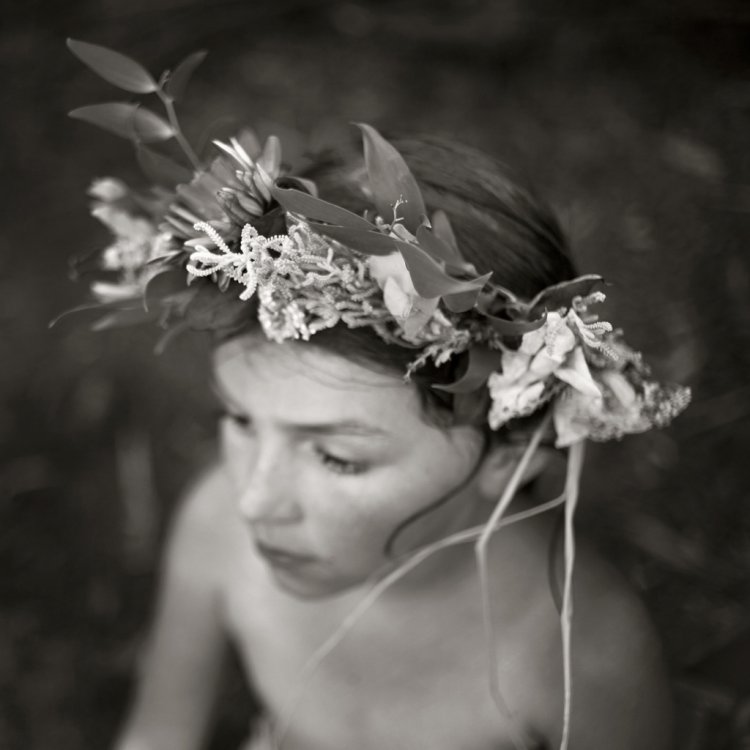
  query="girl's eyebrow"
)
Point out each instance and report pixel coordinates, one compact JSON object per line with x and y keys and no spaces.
{"x":340,"y":427}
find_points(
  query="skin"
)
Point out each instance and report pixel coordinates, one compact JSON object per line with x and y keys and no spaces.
{"x":322,"y":458}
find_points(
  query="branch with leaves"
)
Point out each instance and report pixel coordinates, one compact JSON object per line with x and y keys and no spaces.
{"x":132,"y":120}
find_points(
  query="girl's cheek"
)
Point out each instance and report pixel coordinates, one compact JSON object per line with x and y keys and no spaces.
{"x":237,"y":452}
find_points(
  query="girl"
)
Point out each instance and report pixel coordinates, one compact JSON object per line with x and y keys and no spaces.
{"x":331,"y":540}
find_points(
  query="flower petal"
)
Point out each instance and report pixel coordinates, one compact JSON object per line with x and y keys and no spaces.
{"x":575,"y":372}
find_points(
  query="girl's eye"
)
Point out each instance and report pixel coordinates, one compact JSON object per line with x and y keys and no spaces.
{"x":240,"y":420}
{"x":339,"y":465}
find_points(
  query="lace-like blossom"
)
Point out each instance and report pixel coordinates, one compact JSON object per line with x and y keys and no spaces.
{"x":623,"y":410}
{"x":302,"y":286}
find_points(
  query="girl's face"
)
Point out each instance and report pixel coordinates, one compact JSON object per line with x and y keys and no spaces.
{"x":329,"y":457}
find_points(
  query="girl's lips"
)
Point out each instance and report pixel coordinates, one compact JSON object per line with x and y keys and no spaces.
{"x":282,"y":558}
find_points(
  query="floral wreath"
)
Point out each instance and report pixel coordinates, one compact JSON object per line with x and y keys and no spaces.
{"x":203,"y":241}
{"x":257,"y":233}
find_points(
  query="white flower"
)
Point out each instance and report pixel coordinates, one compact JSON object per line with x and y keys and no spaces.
{"x":108,"y":189}
{"x":399,"y":295}
{"x":107,"y":293}
{"x":511,"y":401}
{"x":575,"y":372}
{"x":550,"y":351}
{"x":572,"y":416}
{"x":122,"y":224}
{"x":391,"y":266}
{"x":620,"y":387}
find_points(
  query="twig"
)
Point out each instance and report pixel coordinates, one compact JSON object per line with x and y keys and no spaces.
{"x":178,"y":134}
{"x":480,"y":551}
{"x":572,"y":485}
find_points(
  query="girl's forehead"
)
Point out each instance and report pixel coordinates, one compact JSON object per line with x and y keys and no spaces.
{"x":297,"y":379}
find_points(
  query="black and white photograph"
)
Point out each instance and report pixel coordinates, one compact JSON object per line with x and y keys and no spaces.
{"x":375,"y":375}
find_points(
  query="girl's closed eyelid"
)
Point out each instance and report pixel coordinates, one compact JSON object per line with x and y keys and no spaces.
{"x":241,"y":420}
{"x":340,"y":466}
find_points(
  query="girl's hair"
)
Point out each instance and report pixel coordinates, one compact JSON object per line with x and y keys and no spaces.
{"x":499,"y":225}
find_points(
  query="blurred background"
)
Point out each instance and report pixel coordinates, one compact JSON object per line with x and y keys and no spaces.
{"x":633,"y":118}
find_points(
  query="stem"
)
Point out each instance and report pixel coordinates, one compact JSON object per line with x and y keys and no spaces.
{"x":480,"y":550}
{"x":168,"y":103}
{"x":572,"y":485}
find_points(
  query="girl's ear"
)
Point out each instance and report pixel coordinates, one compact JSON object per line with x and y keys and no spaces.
{"x":500,"y":463}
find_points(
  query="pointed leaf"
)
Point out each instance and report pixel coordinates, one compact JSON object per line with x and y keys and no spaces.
{"x":149,"y":127}
{"x":179,"y":78}
{"x":462,"y":301}
{"x":482,"y":362}
{"x":515,"y":327}
{"x":441,"y":226}
{"x":315,"y":209}
{"x":429,"y":277}
{"x":270,"y":159}
{"x":161,"y":169}
{"x":369,"y":243}
{"x":126,"y":120}
{"x":164,"y":284}
{"x":118,"y":69}
{"x":249,"y":141}
{"x":561,"y":295}
{"x":438,"y":249}
{"x":391,"y":180}
{"x":301,"y":183}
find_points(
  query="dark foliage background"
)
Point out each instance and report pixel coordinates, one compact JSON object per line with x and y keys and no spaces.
{"x":634,"y":118}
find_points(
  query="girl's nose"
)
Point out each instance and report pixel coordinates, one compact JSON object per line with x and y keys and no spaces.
{"x":268,"y":495}
{"x":261,"y":471}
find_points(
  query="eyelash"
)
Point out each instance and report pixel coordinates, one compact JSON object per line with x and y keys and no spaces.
{"x":240,"y":420}
{"x":339,"y":465}
{"x":333,"y":463}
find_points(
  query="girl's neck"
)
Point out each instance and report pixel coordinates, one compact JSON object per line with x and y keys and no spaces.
{"x":431,"y":569}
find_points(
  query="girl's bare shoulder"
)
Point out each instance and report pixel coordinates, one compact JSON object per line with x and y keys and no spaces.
{"x":620,"y":684}
{"x":203,"y":525}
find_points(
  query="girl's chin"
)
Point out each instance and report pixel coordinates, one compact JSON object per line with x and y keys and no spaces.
{"x":305,"y":585}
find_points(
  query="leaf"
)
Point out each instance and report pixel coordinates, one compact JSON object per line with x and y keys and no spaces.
{"x":462,"y":301}
{"x":442,"y":228}
{"x":481,"y":363}
{"x":514,"y":327}
{"x":369,"y":243}
{"x":161,"y":169}
{"x":561,"y":295}
{"x":126,"y":120}
{"x":295,"y":201}
{"x":429,"y":277}
{"x":435,"y":246}
{"x":391,"y":180}
{"x":180,"y":77}
{"x":210,"y":309}
{"x":270,"y":159}
{"x":118,"y":69}
{"x":249,"y":141}
{"x":163,"y":284}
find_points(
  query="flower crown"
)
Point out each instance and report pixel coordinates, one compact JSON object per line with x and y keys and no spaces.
{"x":202,"y":243}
